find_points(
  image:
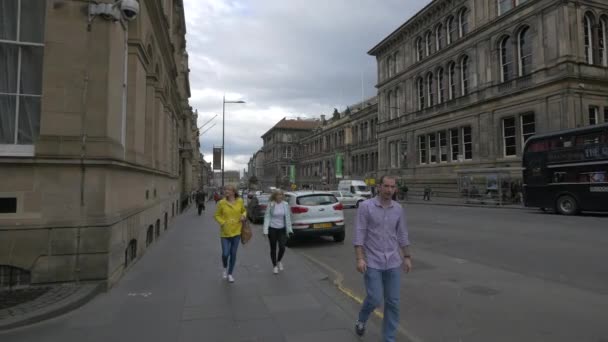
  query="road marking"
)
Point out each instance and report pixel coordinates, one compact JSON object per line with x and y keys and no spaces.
{"x":339,"y":278}
{"x":142,"y":294}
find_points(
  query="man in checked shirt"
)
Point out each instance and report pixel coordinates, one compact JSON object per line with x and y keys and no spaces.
{"x":380,"y":232}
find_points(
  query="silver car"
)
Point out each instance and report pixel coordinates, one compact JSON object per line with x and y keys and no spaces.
{"x":348,"y":199}
{"x":316,"y":213}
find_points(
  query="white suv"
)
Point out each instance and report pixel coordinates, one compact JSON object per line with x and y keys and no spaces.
{"x":316,"y":213}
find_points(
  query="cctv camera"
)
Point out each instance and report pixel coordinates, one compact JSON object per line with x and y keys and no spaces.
{"x":129,"y":9}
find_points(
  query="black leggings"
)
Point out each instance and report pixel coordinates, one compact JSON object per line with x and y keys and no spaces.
{"x":274,"y":236}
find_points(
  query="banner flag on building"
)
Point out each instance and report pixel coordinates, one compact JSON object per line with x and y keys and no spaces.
{"x":292,"y":174}
{"x":339,"y":165}
{"x":217,"y":158}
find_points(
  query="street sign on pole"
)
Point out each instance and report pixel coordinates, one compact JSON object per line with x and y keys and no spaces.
{"x":292,"y":174}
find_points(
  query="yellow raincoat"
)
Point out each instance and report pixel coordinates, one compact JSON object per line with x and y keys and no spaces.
{"x":229,"y":217}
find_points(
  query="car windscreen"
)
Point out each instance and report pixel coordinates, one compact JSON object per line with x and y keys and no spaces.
{"x":314,"y":199}
{"x":362,"y":188}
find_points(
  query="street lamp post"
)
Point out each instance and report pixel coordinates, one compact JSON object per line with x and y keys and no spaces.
{"x":223,"y":130}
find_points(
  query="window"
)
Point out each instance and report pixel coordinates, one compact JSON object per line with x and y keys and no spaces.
{"x":419,"y":49}
{"x":287,"y":152}
{"x":605,"y":114}
{"x":393,"y":155}
{"x":402,"y":153}
{"x":440,"y":86}
{"x":603,"y":40}
{"x":443,"y":147}
{"x":528,"y":127}
{"x":8,"y":205}
{"x":588,"y":39}
{"x":455,"y":144}
{"x":439,"y":37}
{"x":467,"y":139}
{"x":21,"y":53}
{"x":464,"y":75}
{"x":593,"y":115}
{"x":509,"y":136}
{"x":422,"y":149}
{"x":389,"y":103}
{"x":396,"y":63}
{"x":506,"y":59}
{"x":463,"y":22}
{"x":451,"y":80}
{"x":433,"y":148}
{"x":430,"y":89}
{"x":429,"y":43}
{"x":451,"y":31}
{"x":505,"y":6}
{"x":420,"y":88}
{"x":524,"y":51}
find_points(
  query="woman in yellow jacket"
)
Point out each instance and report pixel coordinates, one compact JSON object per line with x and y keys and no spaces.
{"x":230,"y":214}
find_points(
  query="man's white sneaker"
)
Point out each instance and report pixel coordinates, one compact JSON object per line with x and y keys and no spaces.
{"x":230,"y":278}
{"x":224,"y":274}
{"x":275,"y":270}
{"x":281,"y":266}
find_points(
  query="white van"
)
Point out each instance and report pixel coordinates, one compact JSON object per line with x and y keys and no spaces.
{"x":356,"y":187}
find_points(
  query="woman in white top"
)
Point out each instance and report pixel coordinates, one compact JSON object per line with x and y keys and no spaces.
{"x":277,"y":226}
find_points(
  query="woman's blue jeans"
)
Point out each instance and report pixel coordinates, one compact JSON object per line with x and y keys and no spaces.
{"x":229,"y":247}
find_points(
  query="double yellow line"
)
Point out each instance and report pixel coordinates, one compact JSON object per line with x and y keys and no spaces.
{"x":338,"y":280}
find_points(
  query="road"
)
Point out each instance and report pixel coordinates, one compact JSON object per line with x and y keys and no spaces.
{"x":484,"y":274}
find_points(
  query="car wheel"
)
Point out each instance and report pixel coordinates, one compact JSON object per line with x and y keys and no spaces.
{"x":357,"y":205}
{"x":339,"y":237}
{"x":566,"y":205}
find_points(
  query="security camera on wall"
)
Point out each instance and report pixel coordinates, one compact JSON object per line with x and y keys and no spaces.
{"x":121,"y":9}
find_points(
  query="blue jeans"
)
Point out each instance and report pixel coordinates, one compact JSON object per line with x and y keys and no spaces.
{"x":377,"y":283}
{"x":229,"y":247}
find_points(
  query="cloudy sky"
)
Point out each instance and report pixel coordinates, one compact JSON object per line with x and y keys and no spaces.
{"x":284,"y":58}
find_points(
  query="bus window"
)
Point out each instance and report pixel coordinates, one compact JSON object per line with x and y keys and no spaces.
{"x":539,"y":146}
{"x":589,"y":139}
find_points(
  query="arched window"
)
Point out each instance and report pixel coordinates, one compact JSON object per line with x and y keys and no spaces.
{"x":420,"y":90}
{"x":419,"y":49}
{"x":429,"y":43}
{"x":451,"y":80}
{"x":389,"y":104}
{"x":439,"y":37}
{"x":464,"y":75}
{"x":524,"y":45}
{"x":440,"y":86}
{"x":603,"y":40}
{"x":505,"y":55}
{"x":451,"y":30}
{"x":396,"y":99}
{"x":396,"y":62}
{"x":463,"y":22}
{"x":389,"y":62}
{"x":430,"y":89}
{"x":588,"y":39}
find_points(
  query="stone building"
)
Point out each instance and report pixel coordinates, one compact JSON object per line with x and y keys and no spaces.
{"x":464,"y":83}
{"x":96,"y":143}
{"x":349,"y":136}
{"x":281,"y":149}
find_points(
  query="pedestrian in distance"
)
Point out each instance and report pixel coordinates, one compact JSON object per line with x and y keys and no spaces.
{"x":427,"y":193}
{"x":277,"y":226}
{"x":230,"y":214}
{"x":200,"y":200}
{"x":379,"y":237}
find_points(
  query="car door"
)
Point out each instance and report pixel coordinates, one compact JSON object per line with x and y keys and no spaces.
{"x":349,"y":199}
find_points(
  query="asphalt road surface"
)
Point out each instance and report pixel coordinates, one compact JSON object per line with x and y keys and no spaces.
{"x":484,"y":274}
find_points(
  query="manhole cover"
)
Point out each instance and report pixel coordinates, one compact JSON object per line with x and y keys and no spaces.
{"x":10,"y":298}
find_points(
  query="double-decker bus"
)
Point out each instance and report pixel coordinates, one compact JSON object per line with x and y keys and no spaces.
{"x":567,"y":170}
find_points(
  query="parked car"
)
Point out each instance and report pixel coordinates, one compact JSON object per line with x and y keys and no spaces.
{"x":315,"y":213}
{"x":256,"y":208}
{"x":347,"y":199}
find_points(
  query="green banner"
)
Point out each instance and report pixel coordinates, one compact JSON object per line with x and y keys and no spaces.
{"x":292,"y":174}
{"x":339,"y":165}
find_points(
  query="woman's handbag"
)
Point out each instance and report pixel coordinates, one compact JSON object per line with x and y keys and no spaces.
{"x":246,"y":233}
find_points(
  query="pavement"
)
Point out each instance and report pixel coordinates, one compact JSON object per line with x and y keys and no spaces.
{"x":175,"y":292}
{"x":460,"y":202}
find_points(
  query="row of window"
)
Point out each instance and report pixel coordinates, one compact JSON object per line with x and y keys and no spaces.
{"x":522,"y":55}
{"x":363,"y":163}
{"x":434,"y":40}
{"x":595,"y":39}
{"x":453,"y":145}
{"x":523,"y":126}
{"x":325,"y":143}
{"x":435,"y":88}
